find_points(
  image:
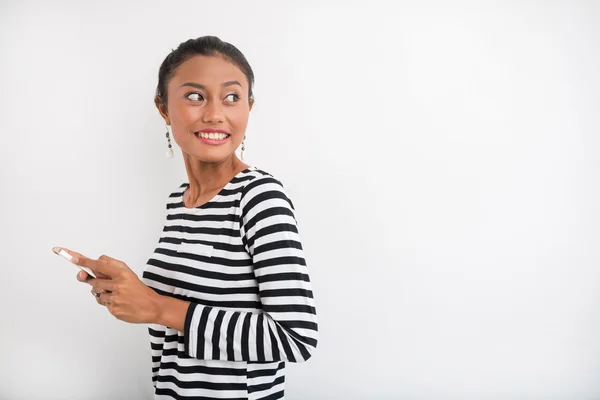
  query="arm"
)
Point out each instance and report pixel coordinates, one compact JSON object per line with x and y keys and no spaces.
{"x":286,"y":328}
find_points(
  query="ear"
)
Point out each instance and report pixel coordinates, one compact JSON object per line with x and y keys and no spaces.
{"x":162,"y":109}
{"x":251,"y":104}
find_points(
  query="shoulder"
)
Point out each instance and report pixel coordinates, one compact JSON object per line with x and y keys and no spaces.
{"x":179,"y":190}
{"x":264,"y":190}
{"x":256,"y":178}
{"x":174,"y":195}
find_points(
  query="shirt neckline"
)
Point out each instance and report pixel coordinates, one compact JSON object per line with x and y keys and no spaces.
{"x":215,"y":197}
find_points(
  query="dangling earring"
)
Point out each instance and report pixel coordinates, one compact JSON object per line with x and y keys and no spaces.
{"x":170,"y":149}
{"x":243,"y":147}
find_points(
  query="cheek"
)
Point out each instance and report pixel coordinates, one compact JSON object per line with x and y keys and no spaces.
{"x":186,"y":115}
{"x":239,"y":121}
{"x":182,"y":114}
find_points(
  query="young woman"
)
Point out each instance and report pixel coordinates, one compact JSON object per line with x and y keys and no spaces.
{"x":226,"y":294}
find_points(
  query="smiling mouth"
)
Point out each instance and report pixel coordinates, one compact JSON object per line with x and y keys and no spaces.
{"x":218,"y":136}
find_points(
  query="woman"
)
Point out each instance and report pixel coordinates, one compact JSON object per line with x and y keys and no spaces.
{"x":226,"y":292}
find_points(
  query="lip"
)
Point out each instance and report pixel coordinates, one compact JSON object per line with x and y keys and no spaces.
{"x":213,"y":130}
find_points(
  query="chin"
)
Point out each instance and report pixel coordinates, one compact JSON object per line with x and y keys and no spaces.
{"x":215,"y":156}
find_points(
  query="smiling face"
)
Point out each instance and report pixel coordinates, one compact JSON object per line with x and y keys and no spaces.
{"x":207,"y":108}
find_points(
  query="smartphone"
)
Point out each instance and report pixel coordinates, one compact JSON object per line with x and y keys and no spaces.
{"x":69,"y":257}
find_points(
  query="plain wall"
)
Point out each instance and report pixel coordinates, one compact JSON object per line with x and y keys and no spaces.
{"x":442,"y":158}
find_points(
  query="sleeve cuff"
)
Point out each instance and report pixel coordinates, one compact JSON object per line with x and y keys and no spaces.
{"x":189,"y":336}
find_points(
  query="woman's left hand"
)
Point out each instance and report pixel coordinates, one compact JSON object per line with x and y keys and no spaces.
{"x":125,"y":296}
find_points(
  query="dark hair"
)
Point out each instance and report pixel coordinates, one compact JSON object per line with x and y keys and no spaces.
{"x":206,"y":46}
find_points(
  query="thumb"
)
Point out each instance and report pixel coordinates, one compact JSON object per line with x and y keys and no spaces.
{"x":83,"y":276}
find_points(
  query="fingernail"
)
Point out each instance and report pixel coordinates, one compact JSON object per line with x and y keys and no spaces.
{"x":75,"y":260}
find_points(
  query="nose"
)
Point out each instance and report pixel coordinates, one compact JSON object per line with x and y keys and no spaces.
{"x":213,"y":112}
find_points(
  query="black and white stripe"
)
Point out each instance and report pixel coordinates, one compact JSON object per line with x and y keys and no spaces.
{"x":239,"y":260}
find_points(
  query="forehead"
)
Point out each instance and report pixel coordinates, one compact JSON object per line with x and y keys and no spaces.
{"x":209,"y":71}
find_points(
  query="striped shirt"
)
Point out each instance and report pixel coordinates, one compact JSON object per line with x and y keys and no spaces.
{"x":238,"y":259}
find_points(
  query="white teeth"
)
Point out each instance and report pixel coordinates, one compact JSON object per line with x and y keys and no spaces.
{"x":213,"y":136}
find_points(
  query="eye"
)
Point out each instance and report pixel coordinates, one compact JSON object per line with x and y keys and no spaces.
{"x":195,"y":96}
{"x":232,"y":97}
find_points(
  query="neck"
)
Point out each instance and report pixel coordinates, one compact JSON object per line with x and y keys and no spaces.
{"x":208,"y":178}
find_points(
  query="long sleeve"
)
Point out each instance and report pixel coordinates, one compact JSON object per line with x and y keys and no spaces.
{"x":286,"y":327}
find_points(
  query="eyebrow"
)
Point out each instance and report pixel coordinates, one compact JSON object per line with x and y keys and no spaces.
{"x":200,"y":86}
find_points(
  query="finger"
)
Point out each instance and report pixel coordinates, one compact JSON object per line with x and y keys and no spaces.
{"x":106,"y":258}
{"x":101,"y":275}
{"x":98,"y":285}
{"x":107,"y":268}
{"x":74,"y":254}
{"x":113,"y":261}
{"x":105,"y":299}
{"x":96,"y":296}
{"x":83,"y":276}
{"x":98,"y":266}
{"x":78,"y":258}
{"x":102,"y":298}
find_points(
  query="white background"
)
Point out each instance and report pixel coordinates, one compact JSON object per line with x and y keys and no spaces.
{"x":442,"y":158}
